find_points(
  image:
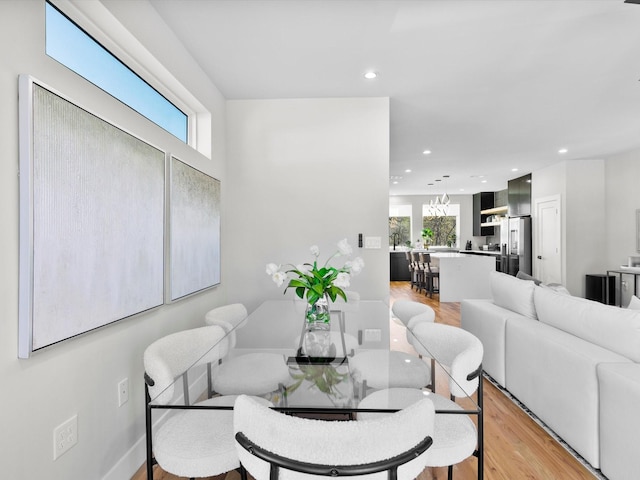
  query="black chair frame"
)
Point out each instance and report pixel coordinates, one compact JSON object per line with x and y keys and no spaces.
{"x":276,"y":462}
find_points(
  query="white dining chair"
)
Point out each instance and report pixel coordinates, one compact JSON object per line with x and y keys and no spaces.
{"x":191,"y":442}
{"x":273,"y":445}
{"x":455,"y":436}
{"x":405,"y":310}
{"x":227,"y":316}
{"x":254,"y":373}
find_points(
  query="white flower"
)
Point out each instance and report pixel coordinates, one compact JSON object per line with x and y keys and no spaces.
{"x":315,"y":251}
{"x":355,"y":266}
{"x":344,"y":248}
{"x":279,"y":278}
{"x":342,"y":280}
{"x":272,"y":268}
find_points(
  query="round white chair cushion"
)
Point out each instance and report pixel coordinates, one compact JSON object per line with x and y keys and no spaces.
{"x":386,"y":369}
{"x":198,"y":443}
{"x":251,"y":374}
{"x":455,"y":437}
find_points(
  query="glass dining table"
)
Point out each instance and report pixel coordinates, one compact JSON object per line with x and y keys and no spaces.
{"x":365,"y":351}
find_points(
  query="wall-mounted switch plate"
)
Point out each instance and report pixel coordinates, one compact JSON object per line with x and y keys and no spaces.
{"x":372,"y":335}
{"x":65,"y":436}
{"x":372,"y":242}
{"x":123,"y":392}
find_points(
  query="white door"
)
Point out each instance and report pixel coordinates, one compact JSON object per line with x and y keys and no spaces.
{"x":547,"y":259}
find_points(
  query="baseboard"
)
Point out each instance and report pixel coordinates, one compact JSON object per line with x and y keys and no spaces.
{"x":136,"y":456}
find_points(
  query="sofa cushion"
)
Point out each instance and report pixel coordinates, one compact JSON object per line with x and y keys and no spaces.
{"x":619,"y":388}
{"x":613,"y":328}
{"x":556,"y":287}
{"x":634,"y":304}
{"x":487,"y":321}
{"x":513,"y":294}
{"x":554,"y":374}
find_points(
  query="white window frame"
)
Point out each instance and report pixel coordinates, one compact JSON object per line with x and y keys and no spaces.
{"x":104,"y":27}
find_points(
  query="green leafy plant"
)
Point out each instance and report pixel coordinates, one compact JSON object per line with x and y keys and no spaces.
{"x":324,"y":377}
{"x":427,"y":235}
{"x":313,"y":282}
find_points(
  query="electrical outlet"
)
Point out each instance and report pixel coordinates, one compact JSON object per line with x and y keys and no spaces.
{"x":372,"y":335}
{"x":65,"y":436}
{"x":123,"y":392}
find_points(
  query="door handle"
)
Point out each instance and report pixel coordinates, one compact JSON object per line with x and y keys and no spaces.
{"x":539,"y":257}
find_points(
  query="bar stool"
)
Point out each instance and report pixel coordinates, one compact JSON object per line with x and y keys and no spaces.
{"x":431,"y":275}
{"x":418,"y":272}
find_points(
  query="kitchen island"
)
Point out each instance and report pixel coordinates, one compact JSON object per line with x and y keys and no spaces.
{"x":463,"y":276}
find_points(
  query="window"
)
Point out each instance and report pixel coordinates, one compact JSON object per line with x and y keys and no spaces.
{"x":400,"y":225}
{"x":73,"y":47}
{"x":445,"y":227}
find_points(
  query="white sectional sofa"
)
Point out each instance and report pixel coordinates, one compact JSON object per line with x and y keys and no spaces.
{"x":573,"y":362}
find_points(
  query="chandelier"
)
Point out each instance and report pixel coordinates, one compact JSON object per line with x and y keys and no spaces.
{"x":439,"y":206}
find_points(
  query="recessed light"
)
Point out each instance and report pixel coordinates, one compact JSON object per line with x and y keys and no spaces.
{"x":395,"y":182}
{"x":408,"y":170}
{"x":483,"y":181}
{"x":438,"y":180}
{"x":514,"y":169}
{"x":446,"y":176}
{"x":562,"y":150}
{"x":462,"y":189}
{"x":430,"y":184}
{"x":426,"y":152}
{"x":370,"y":75}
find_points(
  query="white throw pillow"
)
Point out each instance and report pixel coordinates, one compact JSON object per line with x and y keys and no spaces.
{"x":513,"y":294}
{"x":634,"y":304}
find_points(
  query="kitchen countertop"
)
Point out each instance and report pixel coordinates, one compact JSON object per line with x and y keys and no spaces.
{"x":481,"y":252}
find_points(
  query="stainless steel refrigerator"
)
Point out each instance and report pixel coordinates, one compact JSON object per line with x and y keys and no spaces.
{"x":515,"y":240}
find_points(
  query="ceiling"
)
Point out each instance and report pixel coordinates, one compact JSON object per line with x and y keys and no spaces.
{"x":486,"y":85}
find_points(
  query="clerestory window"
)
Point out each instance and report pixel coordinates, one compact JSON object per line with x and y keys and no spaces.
{"x":68,"y":44}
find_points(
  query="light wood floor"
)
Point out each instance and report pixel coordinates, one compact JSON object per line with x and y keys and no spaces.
{"x":516,"y":447}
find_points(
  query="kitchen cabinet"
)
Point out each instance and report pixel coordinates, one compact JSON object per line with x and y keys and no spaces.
{"x":520,"y":196}
{"x":481,"y":202}
{"x":399,"y":267}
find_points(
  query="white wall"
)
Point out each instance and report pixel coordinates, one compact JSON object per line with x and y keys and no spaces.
{"x":622,"y":173}
{"x":80,"y":376}
{"x":585,"y":215}
{"x":581,"y":186}
{"x":305,"y":172}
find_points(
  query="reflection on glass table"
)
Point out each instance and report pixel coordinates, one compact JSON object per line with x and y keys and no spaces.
{"x":341,"y":381}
